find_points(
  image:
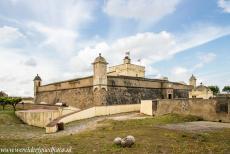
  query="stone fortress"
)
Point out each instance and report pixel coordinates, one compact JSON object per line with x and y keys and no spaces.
{"x":120,"y":89}
{"x":121,"y":84}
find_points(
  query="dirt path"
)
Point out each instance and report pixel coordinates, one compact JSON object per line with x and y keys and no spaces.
{"x":197,"y":126}
{"x":92,"y":123}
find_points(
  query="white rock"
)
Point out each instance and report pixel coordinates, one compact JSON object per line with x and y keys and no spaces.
{"x":129,"y":142}
{"x":117,"y":141}
{"x":131,"y":138}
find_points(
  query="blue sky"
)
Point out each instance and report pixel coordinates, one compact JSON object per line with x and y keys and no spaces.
{"x":59,"y":39}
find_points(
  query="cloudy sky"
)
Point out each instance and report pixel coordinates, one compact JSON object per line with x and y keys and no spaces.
{"x":58,"y":39}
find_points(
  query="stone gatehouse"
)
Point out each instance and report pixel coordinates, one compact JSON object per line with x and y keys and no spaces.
{"x":121,"y":84}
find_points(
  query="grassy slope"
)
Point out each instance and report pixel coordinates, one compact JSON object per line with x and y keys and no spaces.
{"x":149,"y":139}
{"x":10,"y":124}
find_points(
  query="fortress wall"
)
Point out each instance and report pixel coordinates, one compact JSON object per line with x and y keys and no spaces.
{"x":125,"y":90}
{"x":132,"y":82}
{"x":144,"y":83}
{"x":129,"y":95}
{"x":205,"y":108}
{"x":79,"y":97}
{"x":121,"y":90}
{"x":181,"y":93}
{"x":70,"y":84}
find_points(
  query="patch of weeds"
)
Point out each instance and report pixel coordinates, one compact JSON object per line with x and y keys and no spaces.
{"x":199,"y":137}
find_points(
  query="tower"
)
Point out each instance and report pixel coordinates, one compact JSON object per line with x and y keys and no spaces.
{"x":37,"y":83}
{"x":100,"y":73}
{"x":192,"y":81}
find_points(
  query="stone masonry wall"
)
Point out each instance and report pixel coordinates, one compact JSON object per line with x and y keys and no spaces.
{"x":205,"y":108}
{"x":80,"y":97}
{"x":130,"y":90}
{"x":120,"y":90}
{"x":180,"y":93}
{"x":130,"y":95}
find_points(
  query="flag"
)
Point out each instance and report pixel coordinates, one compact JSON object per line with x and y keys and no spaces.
{"x":127,"y":53}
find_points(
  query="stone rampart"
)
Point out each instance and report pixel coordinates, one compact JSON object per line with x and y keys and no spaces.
{"x":208,"y":109}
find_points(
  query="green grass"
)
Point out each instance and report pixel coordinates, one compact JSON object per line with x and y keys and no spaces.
{"x":8,"y":118}
{"x":11,"y":126}
{"x":149,"y":138}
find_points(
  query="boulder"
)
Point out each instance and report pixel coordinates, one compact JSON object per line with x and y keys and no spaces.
{"x":117,"y":141}
{"x":129,"y":141}
{"x":131,"y":137}
{"x":125,"y":142}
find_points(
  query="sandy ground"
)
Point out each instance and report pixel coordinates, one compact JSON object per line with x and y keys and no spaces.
{"x":197,"y":126}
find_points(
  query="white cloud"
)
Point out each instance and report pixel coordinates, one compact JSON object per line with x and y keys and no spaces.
{"x":204,"y":59}
{"x":30,"y":62}
{"x":17,"y":78}
{"x":182,"y":73}
{"x":46,"y":26}
{"x":225,"y":5}
{"x":69,"y":14}
{"x":179,"y":70}
{"x":150,"y":47}
{"x":9,"y":35}
{"x":198,"y":35}
{"x":54,"y":24}
{"x":62,"y":40}
{"x":150,"y":10}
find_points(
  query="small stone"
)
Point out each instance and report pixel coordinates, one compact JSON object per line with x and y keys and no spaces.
{"x":117,"y":141}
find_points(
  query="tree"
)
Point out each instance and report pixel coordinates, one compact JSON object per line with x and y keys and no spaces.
{"x":3,"y":102}
{"x":214,"y":89}
{"x":226,"y":89}
{"x":14,"y":101}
